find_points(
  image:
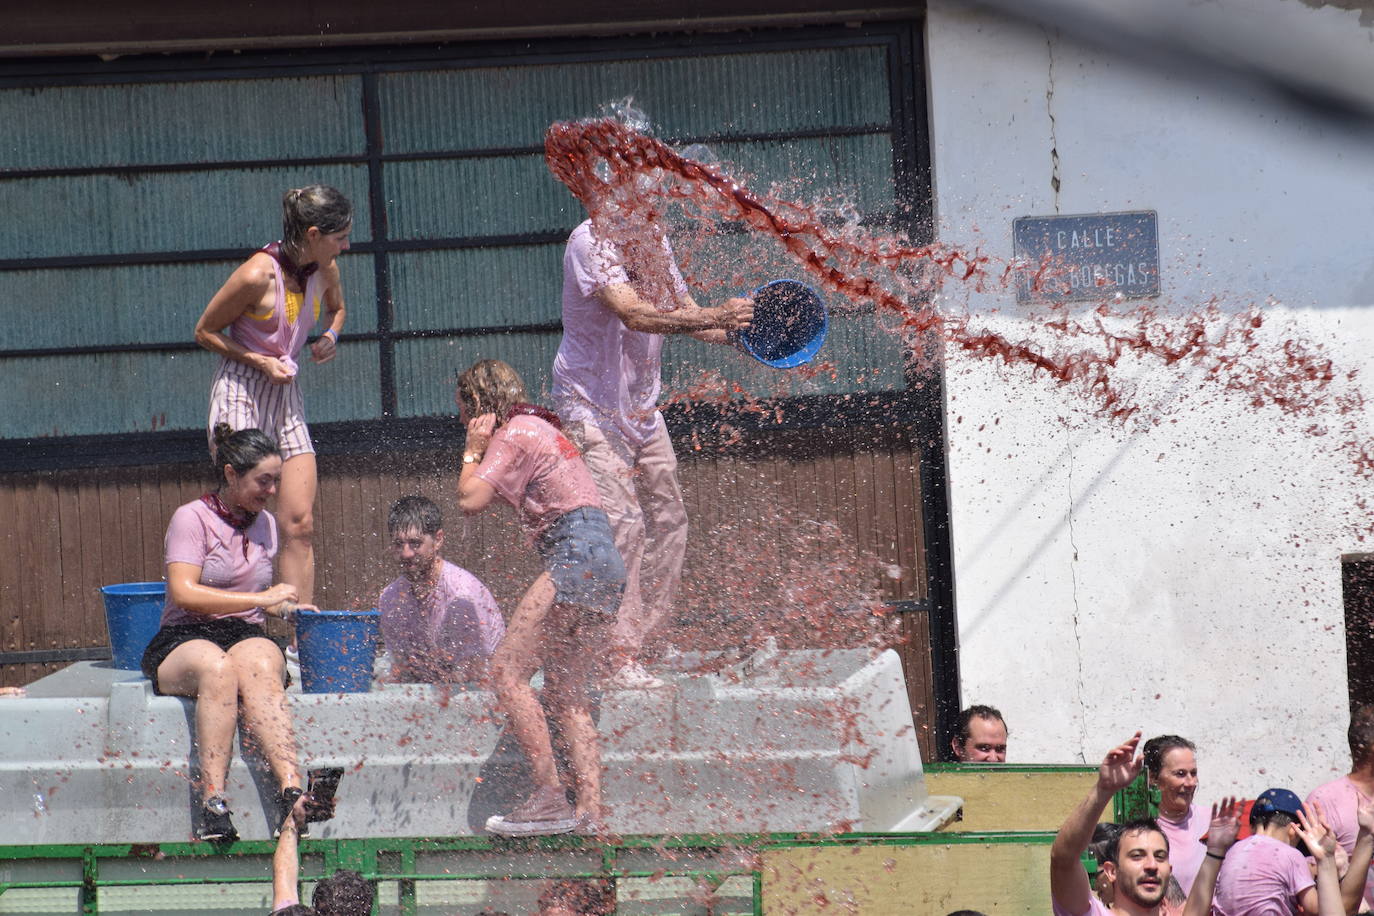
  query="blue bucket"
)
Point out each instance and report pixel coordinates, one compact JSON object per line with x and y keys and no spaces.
{"x":133,"y":615}
{"x":337,"y":650}
{"x":789,"y":327}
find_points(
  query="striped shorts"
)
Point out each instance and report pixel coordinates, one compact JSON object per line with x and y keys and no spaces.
{"x":244,"y":398}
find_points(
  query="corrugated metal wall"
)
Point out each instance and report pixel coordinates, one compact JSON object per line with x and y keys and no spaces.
{"x":131,"y":201}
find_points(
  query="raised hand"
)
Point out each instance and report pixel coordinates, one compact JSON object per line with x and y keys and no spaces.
{"x":1364,"y":814}
{"x":1120,"y":766}
{"x":479,"y":433}
{"x":1318,"y":818}
{"x":1312,"y":829}
{"x":1225,"y":826}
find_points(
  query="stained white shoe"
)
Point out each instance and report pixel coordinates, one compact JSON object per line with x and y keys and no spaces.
{"x":634,"y":677}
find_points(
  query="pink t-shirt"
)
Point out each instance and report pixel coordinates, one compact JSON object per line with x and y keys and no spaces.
{"x":1340,"y":800}
{"x":604,"y":372}
{"x":1261,"y":877}
{"x":198,"y":536}
{"x":535,"y":468}
{"x":455,"y":622}
{"x":1185,"y":852}
{"x":1095,"y":908}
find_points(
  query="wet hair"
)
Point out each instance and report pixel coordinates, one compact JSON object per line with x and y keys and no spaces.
{"x":295,"y":909}
{"x":1157,"y":748}
{"x":1361,"y":733}
{"x":344,"y":893}
{"x":415,"y":512}
{"x":490,"y":386}
{"x":977,"y":711}
{"x":1112,"y":848}
{"x":1105,"y":834}
{"x":1270,"y":817}
{"x":316,"y":205}
{"x":241,"y":449}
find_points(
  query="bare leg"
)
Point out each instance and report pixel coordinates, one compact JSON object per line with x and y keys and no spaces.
{"x":512,"y":666}
{"x":295,"y":514}
{"x":574,"y":656}
{"x":260,"y":667}
{"x":201,"y":670}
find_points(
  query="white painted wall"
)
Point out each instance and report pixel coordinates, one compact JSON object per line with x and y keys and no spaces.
{"x":1180,"y":577}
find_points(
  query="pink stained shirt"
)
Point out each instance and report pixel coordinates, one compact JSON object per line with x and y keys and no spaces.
{"x":1261,"y":877}
{"x":604,"y":372}
{"x":455,"y":622}
{"x":1185,"y":851}
{"x":198,"y":536}
{"x":535,"y":468}
{"x":1340,"y":800}
{"x":275,"y":335}
{"x":1095,"y":908}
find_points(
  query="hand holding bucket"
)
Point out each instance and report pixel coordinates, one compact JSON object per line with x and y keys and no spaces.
{"x":789,"y":327}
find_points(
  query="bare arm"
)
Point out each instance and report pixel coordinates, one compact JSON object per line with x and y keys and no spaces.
{"x":286,"y":865}
{"x":244,"y":289}
{"x":1221,"y":836}
{"x":1328,"y":898}
{"x":1352,"y":886}
{"x":639,"y":315}
{"x":185,"y":590}
{"x":1068,"y":880}
{"x":326,"y":348}
{"x":474,"y":493}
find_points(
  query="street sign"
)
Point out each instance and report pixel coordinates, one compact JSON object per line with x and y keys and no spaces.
{"x":1086,"y":257}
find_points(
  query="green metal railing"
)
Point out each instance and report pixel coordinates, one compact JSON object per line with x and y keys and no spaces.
{"x":709,"y":862}
{"x":731,"y":866}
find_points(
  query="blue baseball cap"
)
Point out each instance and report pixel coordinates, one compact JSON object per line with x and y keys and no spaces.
{"x":1276,"y":801}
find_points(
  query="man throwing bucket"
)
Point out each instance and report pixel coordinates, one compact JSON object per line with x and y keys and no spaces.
{"x":606,"y":381}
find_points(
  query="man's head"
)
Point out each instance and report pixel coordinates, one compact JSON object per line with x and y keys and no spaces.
{"x":1136,"y":863}
{"x":1275,"y":814}
{"x":982,"y":736}
{"x":417,"y":536}
{"x":345,"y":893}
{"x":1361,"y":737}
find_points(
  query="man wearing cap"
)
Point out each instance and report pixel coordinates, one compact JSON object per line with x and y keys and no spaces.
{"x":1340,"y":799}
{"x":1136,"y":862}
{"x":1267,"y":872}
{"x":606,"y":381}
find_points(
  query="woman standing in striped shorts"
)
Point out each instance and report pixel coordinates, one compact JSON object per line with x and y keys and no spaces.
{"x":258,"y":323}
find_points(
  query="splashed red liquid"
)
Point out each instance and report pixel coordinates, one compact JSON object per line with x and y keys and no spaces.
{"x":619,"y":175}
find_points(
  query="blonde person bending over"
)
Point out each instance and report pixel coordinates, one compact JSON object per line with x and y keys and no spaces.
{"x":258,"y":323}
{"x":212,"y":646}
{"x":517,"y":451}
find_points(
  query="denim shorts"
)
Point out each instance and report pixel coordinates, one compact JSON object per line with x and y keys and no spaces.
{"x":580,"y":554}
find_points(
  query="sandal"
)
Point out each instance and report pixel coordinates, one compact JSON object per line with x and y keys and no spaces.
{"x":286,"y":803}
{"x":214,"y":822}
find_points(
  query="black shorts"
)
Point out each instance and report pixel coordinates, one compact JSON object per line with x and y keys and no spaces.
{"x":225,"y":632}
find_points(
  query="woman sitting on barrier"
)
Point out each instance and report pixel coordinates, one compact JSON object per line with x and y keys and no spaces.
{"x":212,"y":646}
{"x":517,"y":451}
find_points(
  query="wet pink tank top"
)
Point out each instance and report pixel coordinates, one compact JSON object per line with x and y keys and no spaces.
{"x":283,"y":331}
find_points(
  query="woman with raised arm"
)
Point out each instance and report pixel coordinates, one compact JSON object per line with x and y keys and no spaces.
{"x":517,"y":451}
{"x":212,"y":646}
{"x":258,"y":323}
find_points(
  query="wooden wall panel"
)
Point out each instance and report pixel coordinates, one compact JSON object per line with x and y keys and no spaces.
{"x":74,"y":531}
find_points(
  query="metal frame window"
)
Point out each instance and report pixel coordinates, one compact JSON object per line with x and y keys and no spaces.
{"x":143,"y":170}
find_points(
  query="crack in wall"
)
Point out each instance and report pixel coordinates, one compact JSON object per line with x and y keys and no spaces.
{"x":1080,"y":683}
{"x":1049,"y":110}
